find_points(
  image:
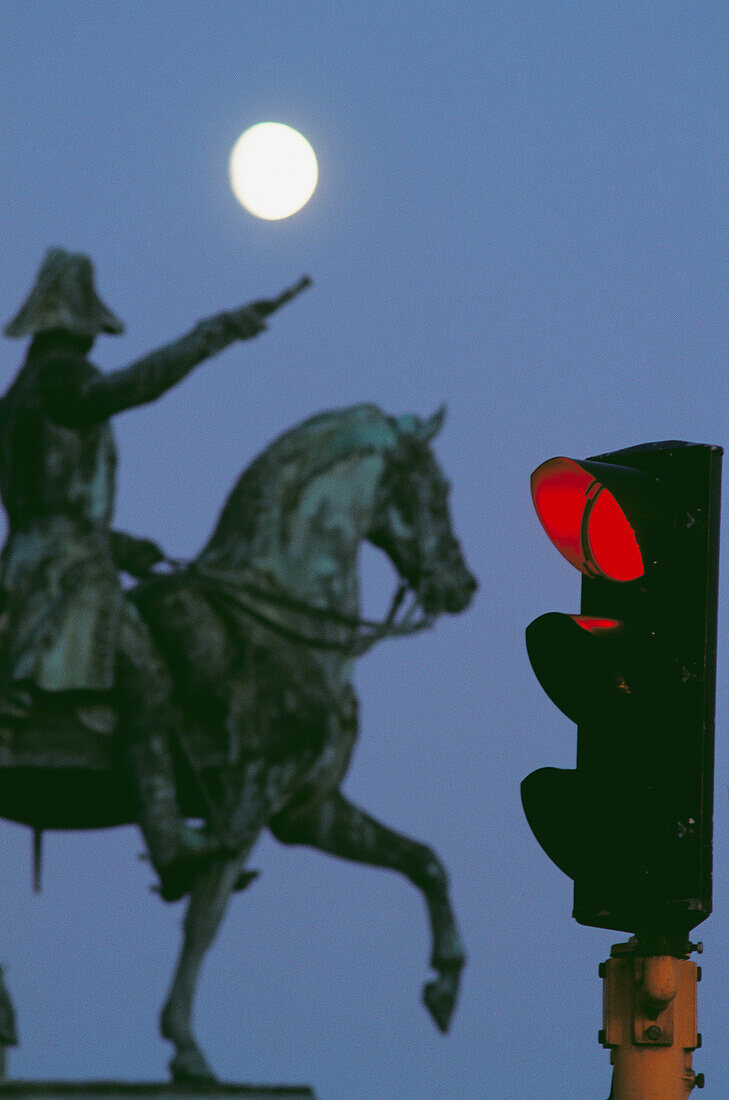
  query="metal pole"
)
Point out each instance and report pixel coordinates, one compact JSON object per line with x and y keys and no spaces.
{"x":649,"y":1015}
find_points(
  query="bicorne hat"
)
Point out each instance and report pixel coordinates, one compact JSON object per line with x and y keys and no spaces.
{"x":64,"y":297}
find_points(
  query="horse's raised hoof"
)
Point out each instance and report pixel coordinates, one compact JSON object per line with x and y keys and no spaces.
{"x":191,"y":1067}
{"x":439,"y":997}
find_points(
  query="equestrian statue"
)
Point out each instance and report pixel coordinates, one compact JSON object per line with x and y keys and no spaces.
{"x":219,"y":690}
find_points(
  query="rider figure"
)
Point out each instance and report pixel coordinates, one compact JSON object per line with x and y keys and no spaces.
{"x":69,"y":627}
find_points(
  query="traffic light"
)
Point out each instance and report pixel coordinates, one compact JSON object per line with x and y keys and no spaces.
{"x":632,"y":824}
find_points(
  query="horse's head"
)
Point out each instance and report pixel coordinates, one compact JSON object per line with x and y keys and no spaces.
{"x":412,"y":523}
{"x":298,"y":513}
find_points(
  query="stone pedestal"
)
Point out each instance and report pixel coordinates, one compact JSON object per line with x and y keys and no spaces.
{"x":119,"y":1090}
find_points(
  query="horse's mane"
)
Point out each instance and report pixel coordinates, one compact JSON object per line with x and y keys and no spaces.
{"x":291,"y":461}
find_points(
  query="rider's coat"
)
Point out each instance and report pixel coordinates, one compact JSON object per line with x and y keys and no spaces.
{"x":62,"y":593}
{"x":61,"y":596}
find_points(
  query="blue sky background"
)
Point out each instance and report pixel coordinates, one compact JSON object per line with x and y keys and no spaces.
{"x":521,"y":212}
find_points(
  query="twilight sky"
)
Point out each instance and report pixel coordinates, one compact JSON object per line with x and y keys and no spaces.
{"x":521,"y":212}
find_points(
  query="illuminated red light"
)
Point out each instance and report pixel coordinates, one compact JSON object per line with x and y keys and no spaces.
{"x":596,"y":626}
{"x":585,"y":522}
{"x":559,"y":489}
{"x":612,"y":540}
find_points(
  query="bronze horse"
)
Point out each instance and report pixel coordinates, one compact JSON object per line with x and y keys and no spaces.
{"x":260,"y":633}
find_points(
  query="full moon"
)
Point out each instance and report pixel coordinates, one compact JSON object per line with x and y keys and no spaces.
{"x":273,"y":170}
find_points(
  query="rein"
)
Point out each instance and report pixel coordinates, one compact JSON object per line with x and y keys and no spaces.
{"x":229,"y":588}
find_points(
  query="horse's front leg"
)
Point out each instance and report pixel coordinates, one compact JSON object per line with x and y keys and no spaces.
{"x":336,"y":826}
{"x":205,"y":910}
{"x":8,"y":1034}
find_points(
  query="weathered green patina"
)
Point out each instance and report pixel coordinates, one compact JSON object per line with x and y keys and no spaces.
{"x":67,"y":628}
{"x":253,"y":642}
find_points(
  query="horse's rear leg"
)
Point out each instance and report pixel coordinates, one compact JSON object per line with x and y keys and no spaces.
{"x":336,"y":826}
{"x":205,"y":911}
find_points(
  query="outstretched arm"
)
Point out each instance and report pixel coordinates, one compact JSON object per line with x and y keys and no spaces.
{"x":148,"y":378}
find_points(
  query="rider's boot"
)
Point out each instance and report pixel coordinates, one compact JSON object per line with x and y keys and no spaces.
{"x":148,"y":720}
{"x":177,"y":851}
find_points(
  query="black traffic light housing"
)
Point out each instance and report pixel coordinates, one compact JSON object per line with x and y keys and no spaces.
{"x":632,"y":824}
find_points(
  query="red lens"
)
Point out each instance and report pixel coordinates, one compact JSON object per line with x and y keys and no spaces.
{"x":596,"y":626}
{"x":585,"y":522}
{"x":613,"y":546}
{"x":559,"y":492}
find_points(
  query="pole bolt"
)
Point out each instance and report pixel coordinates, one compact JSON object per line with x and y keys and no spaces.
{"x":601,"y":970}
{"x":698,"y":973}
{"x":601,"y":1037}
{"x":699,"y":1080}
{"x":653,"y":1033}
